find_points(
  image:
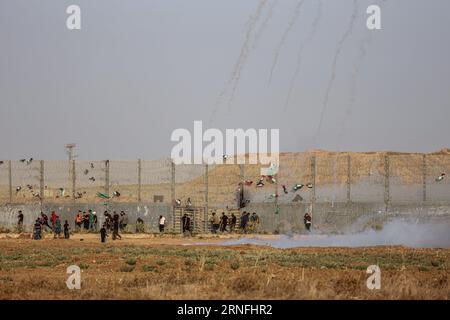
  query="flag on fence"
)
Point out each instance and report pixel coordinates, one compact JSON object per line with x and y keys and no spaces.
{"x":102,"y":195}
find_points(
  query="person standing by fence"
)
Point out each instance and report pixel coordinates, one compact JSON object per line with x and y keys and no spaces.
{"x":255,"y":222}
{"x":37,"y":230}
{"x":20,"y":222}
{"x":85,"y":220}
{"x":78,"y":221}
{"x":162,"y":222}
{"x":307,"y":220}
{"x":91,"y":220}
{"x":140,"y":225}
{"x":186,"y":223}
{"x":57,"y":228}
{"x":66,"y":230}
{"x":53,"y":219}
{"x":233,"y":222}
{"x":116,"y":227}
{"x":244,"y":222}
{"x":123,"y":220}
{"x":215,"y":223}
{"x":223,"y":222}
{"x":44,"y":220}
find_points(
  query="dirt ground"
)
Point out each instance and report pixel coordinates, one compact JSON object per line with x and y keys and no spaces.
{"x":171,"y":267}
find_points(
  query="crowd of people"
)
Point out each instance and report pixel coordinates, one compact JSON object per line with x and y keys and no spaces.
{"x":84,"y":222}
{"x":248,"y":222}
{"x":116,"y":223}
{"x":42,"y":224}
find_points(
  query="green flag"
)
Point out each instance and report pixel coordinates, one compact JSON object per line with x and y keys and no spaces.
{"x":277,"y":210}
{"x":102,"y":195}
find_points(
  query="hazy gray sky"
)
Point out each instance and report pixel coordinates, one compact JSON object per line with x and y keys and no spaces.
{"x":137,"y":70}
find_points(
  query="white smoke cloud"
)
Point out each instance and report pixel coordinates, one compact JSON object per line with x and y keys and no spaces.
{"x":398,"y":232}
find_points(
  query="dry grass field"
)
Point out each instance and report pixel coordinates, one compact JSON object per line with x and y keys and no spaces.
{"x":146,"y":267}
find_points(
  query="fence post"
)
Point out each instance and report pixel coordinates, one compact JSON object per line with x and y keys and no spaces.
{"x":139,"y":180}
{"x":206,"y":197}
{"x":74,"y":180}
{"x":10,"y":181}
{"x":424,"y":177}
{"x":41,"y":182}
{"x":107,"y":181}
{"x":386,"y":181}
{"x":276,"y":211}
{"x":313,"y":178}
{"x":349,"y":178}
{"x":172,"y":191}
{"x":242,"y":185}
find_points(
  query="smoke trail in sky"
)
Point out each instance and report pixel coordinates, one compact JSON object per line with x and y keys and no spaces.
{"x":235,"y":74}
{"x":365,"y":43}
{"x":280,"y":45}
{"x":351,"y":101}
{"x":265,"y":23}
{"x":337,"y":54}
{"x":300,"y":51}
{"x":245,"y":53}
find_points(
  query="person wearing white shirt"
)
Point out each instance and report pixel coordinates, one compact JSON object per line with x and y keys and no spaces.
{"x":162,"y":222}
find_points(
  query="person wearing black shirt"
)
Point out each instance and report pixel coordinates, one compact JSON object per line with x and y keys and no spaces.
{"x":223,"y":222}
{"x":44,"y":220}
{"x":233,"y":222}
{"x":20,"y":222}
{"x":103,"y":233}
{"x":307,"y":219}
{"x":244,"y":221}
{"x":116,"y":224}
{"x":186,"y":223}
{"x":66,"y":230}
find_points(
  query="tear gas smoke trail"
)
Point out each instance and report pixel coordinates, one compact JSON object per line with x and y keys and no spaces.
{"x":365,"y":43}
{"x":245,"y":53}
{"x":285,"y":35}
{"x":337,"y":54}
{"x":242,"y":56}
{"x":300,"y":52}
{"x":265,"y":23}
{"x":354,"y":77}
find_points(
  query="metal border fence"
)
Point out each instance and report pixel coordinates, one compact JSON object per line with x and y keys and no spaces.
{"x":382,"y":178}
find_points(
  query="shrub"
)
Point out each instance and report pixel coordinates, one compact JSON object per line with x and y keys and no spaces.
{"x":83,"y":265}
{"x":160,"y":262}
{"x":435,"y":263}
{"x":126,"y":268}
{"x":209,"y":267}
{"x":188,"y":262}
{"x":234,"y":265}
{"x":149,"y":268}
{"x":131,"y":261}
